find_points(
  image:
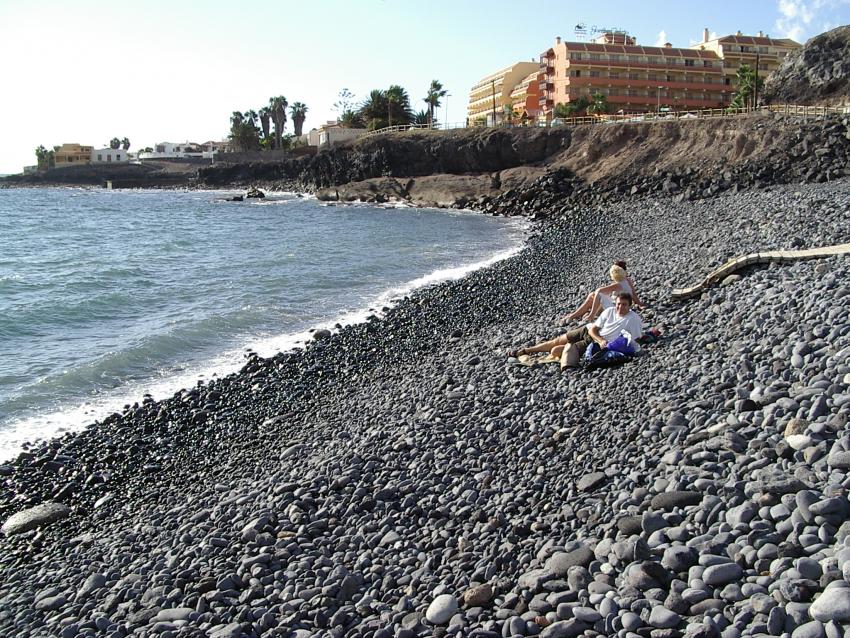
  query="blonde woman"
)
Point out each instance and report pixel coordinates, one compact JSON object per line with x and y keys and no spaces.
{"x":603,"y":298}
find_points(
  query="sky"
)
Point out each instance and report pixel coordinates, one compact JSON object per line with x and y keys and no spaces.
{"x":174,"y":70}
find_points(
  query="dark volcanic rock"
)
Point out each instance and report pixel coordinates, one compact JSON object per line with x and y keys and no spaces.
{"x":819,"y":73}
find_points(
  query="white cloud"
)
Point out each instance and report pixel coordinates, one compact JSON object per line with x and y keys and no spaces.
{"x":661,"y":40}
{"x":797,"y":17}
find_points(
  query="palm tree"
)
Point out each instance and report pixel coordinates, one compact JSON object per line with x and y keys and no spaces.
{"x":265,"y":116}
{"x":746,"y":81}
{"x":374,"y":109}
{"x":41,"y":157}
{"x":422,"y":118}
{"x":398,"y":105}
{"x":278,"y":105}
{"x":573,"y":108}
{"x":125,"y":144}
{"x":298,"y":111}
{"x":114,"y":143}
{"x":598,"y":104}
{"x":243,"y":131}
{"x":350,"y":119}
{"x":432,"y":99}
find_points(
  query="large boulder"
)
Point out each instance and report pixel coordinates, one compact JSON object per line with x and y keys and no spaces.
{"x":33,"y":517}
{"x":818,"y":73}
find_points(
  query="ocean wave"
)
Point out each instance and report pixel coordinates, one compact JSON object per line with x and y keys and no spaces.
{"x":183,"y":296}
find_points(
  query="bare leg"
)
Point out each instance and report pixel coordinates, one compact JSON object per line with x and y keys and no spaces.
{"x":547,"y":346}
{"x":596,"y":308}
{"x":544,"y":346}
{"x":583,"y":309}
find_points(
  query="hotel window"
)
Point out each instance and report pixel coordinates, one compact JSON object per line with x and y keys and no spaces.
{"x":575,"y":56}
{"x":745,"y":49}
{"x":707,"y":63}
{"x":577,"y":73}
{"x":595,"y":56}
{"x":633,"y":76}
{"x":614,"y":74}
{"x":99,"y":157}
{"x":594,"y":74}
{"x":689,"y":62}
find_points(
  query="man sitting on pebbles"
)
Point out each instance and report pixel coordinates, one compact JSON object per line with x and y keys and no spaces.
{"x":608,"y":326}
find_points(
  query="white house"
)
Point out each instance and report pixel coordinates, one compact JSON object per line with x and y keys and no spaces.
{"x":331,"y":133}
{"x":108,"y":155}
{"x":175,"y":150}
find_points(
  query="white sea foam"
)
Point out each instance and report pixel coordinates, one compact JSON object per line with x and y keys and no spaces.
{"x":75,"y":417}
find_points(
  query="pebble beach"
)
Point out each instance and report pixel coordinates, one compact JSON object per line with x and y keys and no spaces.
{"x":402,"y":478}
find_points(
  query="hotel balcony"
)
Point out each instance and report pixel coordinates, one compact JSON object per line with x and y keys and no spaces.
{"x":546,"y":86}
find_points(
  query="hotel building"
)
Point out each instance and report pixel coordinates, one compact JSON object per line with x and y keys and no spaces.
{"x":636,"y":78}
{"x":525,"y":97}
{"x":489,"y":97}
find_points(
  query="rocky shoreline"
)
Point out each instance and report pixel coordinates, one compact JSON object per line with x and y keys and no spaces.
{"x":401,"y":477}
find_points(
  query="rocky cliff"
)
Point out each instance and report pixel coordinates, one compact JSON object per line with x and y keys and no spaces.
{"x":819,"y":73}
{"x":533,"y":171}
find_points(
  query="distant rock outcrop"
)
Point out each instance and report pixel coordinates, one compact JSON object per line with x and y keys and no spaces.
{"x":817,"y":74}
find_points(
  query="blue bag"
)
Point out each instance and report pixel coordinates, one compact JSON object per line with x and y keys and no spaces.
{"x":596,"y":357}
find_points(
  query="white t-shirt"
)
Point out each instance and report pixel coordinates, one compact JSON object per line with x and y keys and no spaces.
{"x":610,"y":324}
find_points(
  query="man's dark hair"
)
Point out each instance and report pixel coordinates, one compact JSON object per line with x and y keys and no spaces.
{"x":626,"y":296}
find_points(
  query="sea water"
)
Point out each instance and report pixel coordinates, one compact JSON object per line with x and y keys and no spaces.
{"x":106,"y":296}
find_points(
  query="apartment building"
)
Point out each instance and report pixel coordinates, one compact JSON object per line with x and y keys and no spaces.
{"x":636,"y":78}
{"x":489,"y":97}
{"x":739,"y":49}
{"x":525,"y":97}
{"x":72,"y":154}
{"x":633,"y":78}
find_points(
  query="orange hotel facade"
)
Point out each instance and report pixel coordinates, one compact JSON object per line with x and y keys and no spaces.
{"x":638,"y":78}
{"x":634,"y":78}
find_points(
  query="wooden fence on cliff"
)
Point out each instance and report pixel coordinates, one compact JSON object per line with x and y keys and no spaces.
{"x":790,"y":110}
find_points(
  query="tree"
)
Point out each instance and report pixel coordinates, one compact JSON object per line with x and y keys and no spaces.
{"x":422,"y":118}
{"x":265,"y":118}
{"x":746,"y":80}
{"x":244,"y":134}
{"x":114,"y":143}
{"x":572,"y":109}
{"x":351,"y":119}
{"x":345,"y":101}
{"x":598,"y":104}
{"x":125,"y":144}
{"x":42,"y":157}
{"x":298,"y":111}
{"x":374,"y":110}
{"x":398,"y":106}
{"x":277,"y":106}
{"x":432,"y":98}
